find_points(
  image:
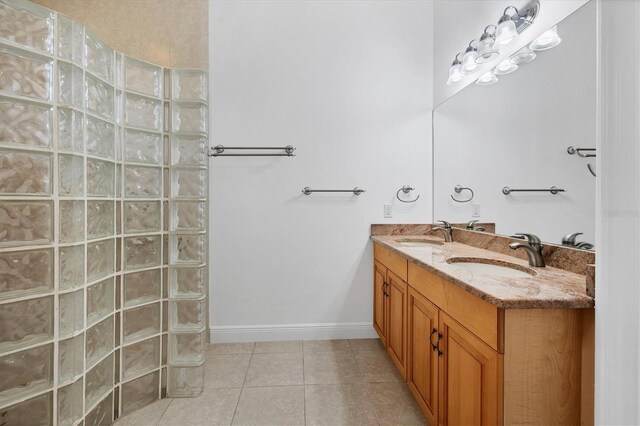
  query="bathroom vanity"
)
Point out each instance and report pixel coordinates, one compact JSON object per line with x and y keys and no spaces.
{"x":502,"y":343}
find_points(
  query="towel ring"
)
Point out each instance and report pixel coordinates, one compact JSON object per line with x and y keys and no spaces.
{"x":458,"y":189}
{"x":406,"y":189}
{"x":590,"y":167}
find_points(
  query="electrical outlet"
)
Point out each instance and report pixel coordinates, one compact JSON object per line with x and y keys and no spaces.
{"x":475,"y":210}
{"x":387,"y":210}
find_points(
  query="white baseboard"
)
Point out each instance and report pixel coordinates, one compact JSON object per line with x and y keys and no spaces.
{"x":276,"y":332}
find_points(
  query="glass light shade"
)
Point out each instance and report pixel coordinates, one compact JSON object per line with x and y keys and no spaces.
{"x":454,"y":74}
{"x":523,"y":56}
{"x":487,"y":79}
{"x":505,"y":67}
{"x":469,"y":62}
{"x":505,"y":34}
{"x":486,"y":52}
{"x":547,"y":40}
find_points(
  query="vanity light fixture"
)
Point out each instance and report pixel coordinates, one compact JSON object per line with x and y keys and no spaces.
{"x":486,"y":51}
{"x":547,"y":40}
{"x":469,"y":64}
{"x":487,"y":79}
{"x":523,"y":56}
{"x":505,"y":67}
{"x":454,"y":71}
{"x":506,"y":32}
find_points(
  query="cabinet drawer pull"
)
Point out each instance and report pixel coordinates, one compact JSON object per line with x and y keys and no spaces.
{"x":433,"y":345}
{"x":384,"y":289}
{"x":438,"y":344}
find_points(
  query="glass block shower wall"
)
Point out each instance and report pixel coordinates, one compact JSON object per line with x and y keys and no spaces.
{"x":103,"y":225}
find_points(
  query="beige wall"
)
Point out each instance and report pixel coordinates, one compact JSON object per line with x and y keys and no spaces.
{"x":171,"y":33}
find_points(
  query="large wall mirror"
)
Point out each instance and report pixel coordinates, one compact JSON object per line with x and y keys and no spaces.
{"x":516,"y":134}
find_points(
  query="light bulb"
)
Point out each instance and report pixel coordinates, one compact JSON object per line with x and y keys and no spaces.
{"x":547,"y":40}
{"x":506,"y":32}
{"x":469,"y":60}
{"x":487,"y":79}
{"x":486,"y":51}
{"x":505,"y":67}
{"x":523,"y":56}
{"x":454,"y":74}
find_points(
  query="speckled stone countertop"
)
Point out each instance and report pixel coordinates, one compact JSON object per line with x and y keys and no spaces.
{"x":549,"y":288}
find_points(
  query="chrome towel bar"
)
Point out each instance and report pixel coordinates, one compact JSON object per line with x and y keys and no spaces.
{"x":355,"y":191}
{"x":218,"y":151}
{"x":582,"y":152}
{"x":554,"y":190}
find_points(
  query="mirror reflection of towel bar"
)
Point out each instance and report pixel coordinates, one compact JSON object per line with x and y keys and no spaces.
{"x":554,"y":190}
{"x":217,"y":151}
{"x":590,"y":152}
{"x":355,"y":191}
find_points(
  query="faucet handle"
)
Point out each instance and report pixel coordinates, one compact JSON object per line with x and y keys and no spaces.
{"x":532,"y":239}
{"x":446,"y":224}
{"x":570,"y":239}
{"x":471,"y":223}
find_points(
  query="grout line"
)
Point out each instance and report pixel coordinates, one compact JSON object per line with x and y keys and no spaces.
{"x":235,"y":410}
{"x":165,"y":410}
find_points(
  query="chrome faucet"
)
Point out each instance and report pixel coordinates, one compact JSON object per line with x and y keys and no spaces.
{"x":570,"y":239}
{"x":533,"y":247}
{"x":447,"y":229}
{"x":472,"y":227}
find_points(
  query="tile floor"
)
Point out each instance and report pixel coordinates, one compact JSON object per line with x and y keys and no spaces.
{"x":328,"y":382}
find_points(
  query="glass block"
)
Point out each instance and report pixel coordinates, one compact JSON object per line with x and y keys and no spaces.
{"x":189,"y":150}
{"x":188,"y":216}
{"x":98,"y":57}
{"x":187,"y":282}
{"x":187,"y":348}
{"x":190,"y":249}
{"x":25,"y":123}
{"x":141,"y":287}
{"x":70,"y":40}
{"x":142,"y":147}
{"x":143,"y":112}
{"x":141,"y":252}
{"x":165,"y":340}
{"x":27,"y":24}
{"x":100,"y":301}
{"x":99,"y":341}
{"x":189,"y":182}
{"x":101,"y":138}
{"x":71,"y":221}
{"x":71,"y":267}
{"x":141,"y":322}
{"x":141,"y":216}
{"x":142,"y":181}
{"x":99,"y":97}
{"x":100,"y":259}
{"x":26,"y":222}
{"x":140,"y":392}
{"x":101,"y":414}
{"x":70,"y":403}
{"x":25,"y":272}
{"x":70,"y":358}
{"x":165,"y":317}
{"x":34,"y":411}
{"x":25,"y":372}
{"x":24,"y":73}
{"x":100,"y":219}
{"x":187,"y":315}
{"x":142,"y":77}
{"x":25,"y":323}
{"x":119,"y":181}
{"x":189,"y":85}
{"x":185,"y":381}
{"x":70,"y":130}
{"x":71,"y":312}
{"x":141,"y":357}
{"x":100,"y":178}
{"x":25,"y":173}
{"x":70,"y":90}
{"x":70,"y":175}
{"x":99,"y":381}
{"x":189,"y":117}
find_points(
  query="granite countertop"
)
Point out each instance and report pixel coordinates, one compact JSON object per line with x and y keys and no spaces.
{"x":549,"y":288}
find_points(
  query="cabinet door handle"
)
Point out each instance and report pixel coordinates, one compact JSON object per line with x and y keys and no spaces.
{"x":438,"y":344}
{"x":433,"y":346}
{"x":384,"y":289}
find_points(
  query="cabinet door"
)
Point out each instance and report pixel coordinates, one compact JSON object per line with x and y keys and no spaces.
{"x":397,"y":321}
{"x":379,"y":301}
{"x":422,"y":365}
{"x":470,"y":378}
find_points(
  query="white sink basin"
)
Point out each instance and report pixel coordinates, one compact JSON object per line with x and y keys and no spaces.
{"x":491,"y":267}
{"x":417,"y":242}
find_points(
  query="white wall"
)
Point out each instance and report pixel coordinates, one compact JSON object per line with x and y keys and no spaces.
{"x":516,"y":133}
{"x":349,"y":85}
{"x":618,"y":238}
{"x":457,"y":22}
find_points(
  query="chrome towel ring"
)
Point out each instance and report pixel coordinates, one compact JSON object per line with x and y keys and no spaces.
{"x":458,"y":189}
{"x":406,"y":189}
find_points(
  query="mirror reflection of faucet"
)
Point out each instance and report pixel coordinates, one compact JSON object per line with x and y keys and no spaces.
{"x":569,"y":240}
{"x":472,"y":227}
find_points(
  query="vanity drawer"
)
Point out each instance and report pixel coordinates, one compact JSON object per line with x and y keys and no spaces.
{"x":481,"y":318}
{"x":394,"y":262}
